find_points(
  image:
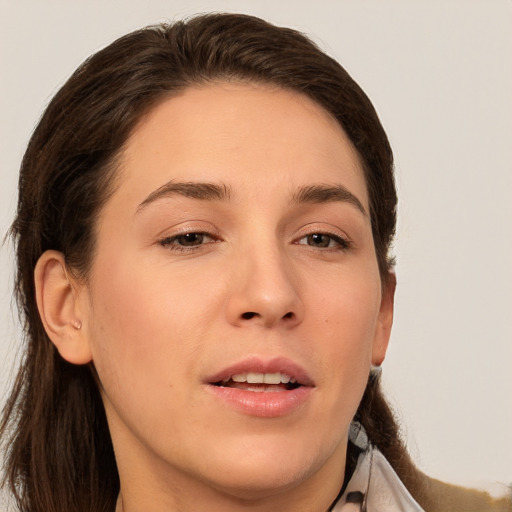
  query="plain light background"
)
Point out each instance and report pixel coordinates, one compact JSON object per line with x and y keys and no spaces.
{"x":440,"y":76}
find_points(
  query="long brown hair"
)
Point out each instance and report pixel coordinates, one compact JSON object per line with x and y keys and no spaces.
{"x":59,"y":451}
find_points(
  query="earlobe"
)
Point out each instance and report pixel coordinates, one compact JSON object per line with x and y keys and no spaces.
{"x":59,"y":308}
{"x":385,"y":321}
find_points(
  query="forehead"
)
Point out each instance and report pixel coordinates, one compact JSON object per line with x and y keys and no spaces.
{"x":243,"y":135}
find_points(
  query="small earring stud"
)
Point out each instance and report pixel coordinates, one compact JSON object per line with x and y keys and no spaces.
{"x":375,"y":372}
{"x":77,"y":324}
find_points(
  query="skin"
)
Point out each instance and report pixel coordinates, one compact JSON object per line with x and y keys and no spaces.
{"x":159,"y":318}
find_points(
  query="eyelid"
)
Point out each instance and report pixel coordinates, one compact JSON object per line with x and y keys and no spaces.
{"x":322,"y":227}
{"x":165,"y":238}
{"x":168,"y":243}
{"x":190,"y":226}
{"x":344,"y":241}
{"x":170,"y":238}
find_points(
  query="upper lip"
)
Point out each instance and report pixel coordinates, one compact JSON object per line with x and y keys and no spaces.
{"x":259,"y":365}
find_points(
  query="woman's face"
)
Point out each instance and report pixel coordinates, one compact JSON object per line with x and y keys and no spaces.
{"x":237,"y":248}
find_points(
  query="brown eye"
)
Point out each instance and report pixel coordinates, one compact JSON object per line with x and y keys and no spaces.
{"x":190,"y":239}
{"x":318,"y":240}
{"x":185,"y":241}
{"x":324,"y":241}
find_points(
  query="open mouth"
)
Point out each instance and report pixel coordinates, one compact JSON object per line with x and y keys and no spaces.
{"x":264,"y":389}
{"x":259,"y":382}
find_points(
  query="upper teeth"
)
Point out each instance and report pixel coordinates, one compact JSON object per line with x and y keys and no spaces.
{"x":261,"y":378}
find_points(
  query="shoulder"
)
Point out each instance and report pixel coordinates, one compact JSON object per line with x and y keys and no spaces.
{"x":454,"y":498}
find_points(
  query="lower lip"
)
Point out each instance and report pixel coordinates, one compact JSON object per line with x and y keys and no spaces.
{"x":264,"y":404}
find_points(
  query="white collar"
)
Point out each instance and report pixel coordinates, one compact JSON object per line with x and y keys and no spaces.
{"x":374,"y":486}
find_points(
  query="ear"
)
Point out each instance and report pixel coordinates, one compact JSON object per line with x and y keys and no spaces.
{"x":384,"y":321}
{"x":58,"y":303}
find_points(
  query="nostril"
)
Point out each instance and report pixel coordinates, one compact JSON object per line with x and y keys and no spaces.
{"x":248,"y":315}
{"x":288,"y":315}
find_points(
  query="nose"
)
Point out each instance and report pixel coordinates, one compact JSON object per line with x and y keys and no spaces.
{"x":265,"y":291}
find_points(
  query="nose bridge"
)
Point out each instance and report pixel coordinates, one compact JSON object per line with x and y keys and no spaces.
{"x":266,"y":289}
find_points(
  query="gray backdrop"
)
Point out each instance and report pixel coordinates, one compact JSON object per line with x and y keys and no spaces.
{"x":440,"y":75}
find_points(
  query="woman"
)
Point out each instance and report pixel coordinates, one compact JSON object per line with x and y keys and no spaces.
{"x":203,"y":234}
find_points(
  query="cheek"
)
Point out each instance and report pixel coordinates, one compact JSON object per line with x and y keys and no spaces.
{"x":141,"y":350}
{"x":345,"y":317}
{"x":128,"y":336}
{"x":347,"y":309}
{"x":149,"y":324}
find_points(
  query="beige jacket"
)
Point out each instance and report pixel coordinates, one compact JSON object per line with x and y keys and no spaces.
{"x":452,"y":498}
{"x":375,"y":487}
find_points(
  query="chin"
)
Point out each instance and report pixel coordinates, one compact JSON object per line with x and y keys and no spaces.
{"x":256,"y":483}
{"x":257,"y":471}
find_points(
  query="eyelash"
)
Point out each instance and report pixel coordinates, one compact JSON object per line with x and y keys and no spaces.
{"x":168,"y":241}
{"x":342,"y":244}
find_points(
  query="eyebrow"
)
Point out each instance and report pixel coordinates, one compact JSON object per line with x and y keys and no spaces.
{"x":309,"y":194}
{"x":321,"y":193}
{"x":201,"y":191}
